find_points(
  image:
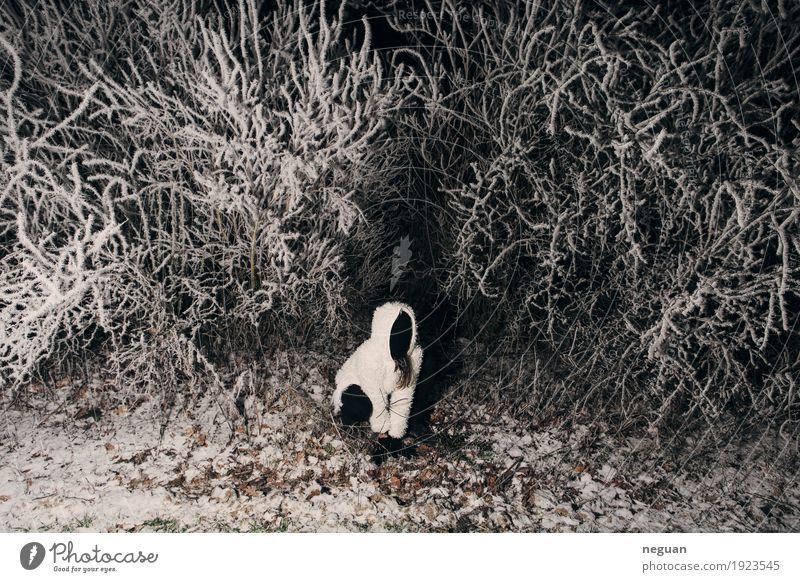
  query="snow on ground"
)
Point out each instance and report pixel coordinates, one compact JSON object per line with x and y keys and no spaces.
{"x":84,"y":466}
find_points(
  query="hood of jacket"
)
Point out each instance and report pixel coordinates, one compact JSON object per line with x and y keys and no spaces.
{"x":383,"y":319}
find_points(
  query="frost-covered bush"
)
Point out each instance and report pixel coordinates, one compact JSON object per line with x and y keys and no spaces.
{"x":619,"y":191}
{"x":178,"y":183}
{"x":611,"y":190}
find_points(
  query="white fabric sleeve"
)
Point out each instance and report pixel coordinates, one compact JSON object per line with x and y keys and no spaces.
{"x":336,"y":399}
{"x":344,"y":377}
{"x":399,"y":411}
{"x":379,"y":421}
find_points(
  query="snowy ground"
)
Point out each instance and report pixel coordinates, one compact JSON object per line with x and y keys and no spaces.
{"x":85,"y":466}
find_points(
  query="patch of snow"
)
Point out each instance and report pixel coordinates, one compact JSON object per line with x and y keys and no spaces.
{"x":282,"y":473}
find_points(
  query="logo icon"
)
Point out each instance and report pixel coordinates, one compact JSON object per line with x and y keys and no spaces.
{"x":31,"y":555}
{"x":400,"y":259}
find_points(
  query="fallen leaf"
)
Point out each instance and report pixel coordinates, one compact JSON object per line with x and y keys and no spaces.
{"x":430,"y":511}
{"x":109,"y":447}
{"x":250,"y":491}
{"x":426,"y":476}
{"x":579,"y":468}
{"x":395,"y":481}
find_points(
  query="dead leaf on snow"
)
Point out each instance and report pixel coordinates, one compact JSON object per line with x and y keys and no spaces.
{"x":249,"y":491}
{"x":430,"y":511}
{"x":427,"y":475}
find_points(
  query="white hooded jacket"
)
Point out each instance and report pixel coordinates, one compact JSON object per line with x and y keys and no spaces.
{"x":372,"y":368}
